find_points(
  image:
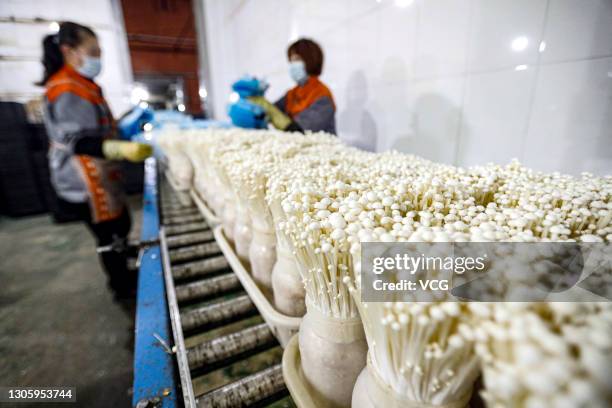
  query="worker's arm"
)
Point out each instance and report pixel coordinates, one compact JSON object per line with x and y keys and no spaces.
{"x":293,"y":126}
{"x":320,"y":116}
{"x":281,"y":103}
{"x":75,"y":121}
{"x":112,"y":149}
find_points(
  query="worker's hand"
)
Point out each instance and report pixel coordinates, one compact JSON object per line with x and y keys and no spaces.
{"x":276,"y":116}
{"x":132,"y":151}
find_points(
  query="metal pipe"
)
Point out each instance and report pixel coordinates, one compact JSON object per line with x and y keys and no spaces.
{"x":184,"y":228}
{"x":218,"y":312}
{"x":231,"y":345}
{"x":175,"y":205}
{"x":246,"y":391}
{"x":181,"y":211}
{"x":190,"y":238}
{"x":182,"y":219}
{"x":207,"y":287}
{"x":194,"y":251}
{"x":200,"y":268}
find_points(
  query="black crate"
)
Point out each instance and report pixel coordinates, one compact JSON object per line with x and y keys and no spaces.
{"x":19,"y":185}
{"x":37,"y":138}
{"x":20,"y":204}
{"x":13,"y":136}
{"x":12,"y":113}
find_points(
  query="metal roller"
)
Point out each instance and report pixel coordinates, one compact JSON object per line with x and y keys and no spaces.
{"x":206,"y":288}
{"x":200,"y":268}
{"x":246,"y":391}
{"x":181,"y":211}
{"x":189,"y":239}
{"x":184,"y":228}
{"x":224,"y":332}
{"x":175,"y":205}
{"x":228,"y":310}
{"x":232,"y":345}
{"x":194,"y":251}
{"x":182,"y":219}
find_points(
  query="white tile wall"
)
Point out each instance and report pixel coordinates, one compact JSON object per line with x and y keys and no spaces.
{"x":505,"y":33}
{"x":571,"y":118}
{"x":442,"y":37}
{"x":436,"y":119}
{"x":578,"y":29}
{"x":457,"y":81}
{"x":397,"y":26}
{"x":495,"y":126}
{"x":22,"y":43}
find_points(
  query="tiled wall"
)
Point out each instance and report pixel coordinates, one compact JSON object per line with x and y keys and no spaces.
{"x":457,"y":81}
{"x":20,"y":46}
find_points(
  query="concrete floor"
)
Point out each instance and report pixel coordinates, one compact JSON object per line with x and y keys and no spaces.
{"x":59,"y":324}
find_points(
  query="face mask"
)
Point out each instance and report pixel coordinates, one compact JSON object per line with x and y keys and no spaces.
{"x":297,"y":71}
{"x":91,"y":67}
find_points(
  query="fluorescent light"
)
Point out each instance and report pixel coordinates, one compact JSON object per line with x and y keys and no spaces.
{"x":139,"y":93}
{"x":520,"y":43}
{"x":521,"y":67}
{"x":542,"y":46}
{"x":403,"y":3}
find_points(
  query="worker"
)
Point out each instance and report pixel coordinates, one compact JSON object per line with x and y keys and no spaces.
{"x":310,"y":104}
{"x":84,"y":152}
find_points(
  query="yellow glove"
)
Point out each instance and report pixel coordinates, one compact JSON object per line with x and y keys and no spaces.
{"x":275,"y":115}
{"x":120,"y":150}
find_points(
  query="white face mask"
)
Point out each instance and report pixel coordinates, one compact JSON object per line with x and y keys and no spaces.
{"x":91,"y":67}
{"x":297,"y":71}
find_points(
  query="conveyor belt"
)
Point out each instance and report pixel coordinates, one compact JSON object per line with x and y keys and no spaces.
{"x":227,"y":356}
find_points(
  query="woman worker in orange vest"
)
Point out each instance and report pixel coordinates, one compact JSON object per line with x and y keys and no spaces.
{"x":83,"y":151}
{"x":310,"y":104}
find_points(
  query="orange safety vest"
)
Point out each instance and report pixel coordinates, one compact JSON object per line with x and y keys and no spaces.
{"x":101,"y":177}
{"x":301,"y":97}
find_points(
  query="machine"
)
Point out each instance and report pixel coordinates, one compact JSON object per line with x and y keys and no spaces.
{"x":200,"y":341}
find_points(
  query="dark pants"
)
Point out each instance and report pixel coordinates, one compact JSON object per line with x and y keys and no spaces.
{"x":111,"y":240}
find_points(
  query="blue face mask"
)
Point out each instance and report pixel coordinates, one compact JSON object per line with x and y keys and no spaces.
{"x":297,"y":71}
{"x":91,"y":67}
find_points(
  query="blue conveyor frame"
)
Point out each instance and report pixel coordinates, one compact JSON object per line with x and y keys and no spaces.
{"x":155,"y":375}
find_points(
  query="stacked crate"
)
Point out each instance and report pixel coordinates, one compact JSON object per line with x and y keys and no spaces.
{"x":19,"y":185}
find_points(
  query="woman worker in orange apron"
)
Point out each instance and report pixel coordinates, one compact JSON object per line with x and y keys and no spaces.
{"x":83,"y":152}
{"x":310,"y":104}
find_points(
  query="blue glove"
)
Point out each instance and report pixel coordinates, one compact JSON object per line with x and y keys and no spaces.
{"x":247,"y":115}
{"x":249,"y":86}
{"x":133,"y":122}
